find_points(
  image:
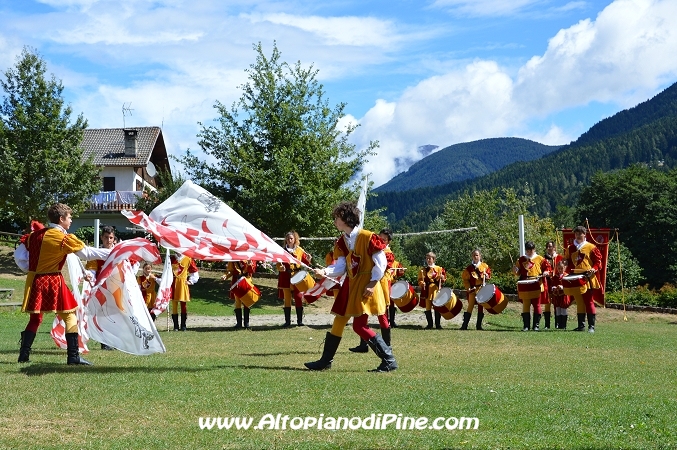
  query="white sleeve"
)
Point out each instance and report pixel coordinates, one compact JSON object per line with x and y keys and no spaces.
{"x":21,"y":257}
{"x":192,"y":278}
{"x":90,"y":253}
{"x":380,"y":265}
{"x":337,"y":268}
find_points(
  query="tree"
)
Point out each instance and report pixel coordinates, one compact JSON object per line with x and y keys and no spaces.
{"x":642,"y":203}
{"x":168,"y":183}
{"x":42,"y":162}
{"x":632,"y":272}
{"x":278,"y":156}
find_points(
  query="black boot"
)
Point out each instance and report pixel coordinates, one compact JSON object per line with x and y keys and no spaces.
{"x":537,"y":320}
{"x":73,"y":352}
{"x":246,"y":318}
{"x":466,"y":320}
{"x":526,"y":318}
{"x":563,"y":323}
{"x":385,"y":333}
{"x":152,"y":316}
{"x":26,"y":342}
{"x":392,"y":315}
{"x":429,"y":319}
{"x":581,"y":322}
{"x":480,"y":317}
{"x":361,"y":348}
{"x":238,"y":318}
{"x":175,"y":319}
{"x":331,"y":344}
{"x":438,"y":320}
{"x":383,"y":351}
{"x":591,"y":323}
{"x":287,"y":316}
{"x":184,"y":316}
{"x":106,"y":347}
{"x":299,"y":316}
{"x":546,"y":316}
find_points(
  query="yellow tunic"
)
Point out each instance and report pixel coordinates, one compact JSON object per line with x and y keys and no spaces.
{"x":181,"y":292}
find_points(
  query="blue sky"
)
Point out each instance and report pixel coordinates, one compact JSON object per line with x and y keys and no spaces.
{"x":411,"y":72}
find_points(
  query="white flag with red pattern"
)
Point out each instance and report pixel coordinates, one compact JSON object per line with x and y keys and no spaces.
{"x":116,"y":311}
{"x":76,"y":277}
{"x":164,"y":293}
{"x":197,"y":224}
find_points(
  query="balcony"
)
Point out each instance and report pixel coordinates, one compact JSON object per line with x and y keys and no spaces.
{"x":113,"y":200}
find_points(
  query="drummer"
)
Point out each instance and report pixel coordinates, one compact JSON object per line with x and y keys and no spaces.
{"x":553,"y":258}
{"x":386,"y":283}
{"x":235,"y":270}
{"x":286,"y":290}
{"x":532,"y":268}
{"x":474,"y":277}
{"x":557,"y":296}
{"x":430,"y":279}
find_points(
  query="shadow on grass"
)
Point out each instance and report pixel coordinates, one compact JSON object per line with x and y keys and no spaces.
{"x":293,"y":352}
{"x":249,"y":367}
{"x":37,"y":369}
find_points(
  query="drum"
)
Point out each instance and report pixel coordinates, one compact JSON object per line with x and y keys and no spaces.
{"x":529,"y":289}
{"x":491,"y":298}
{"x":446,"y":303}
{"x":575,"y":284}
{"x":246,"y":292}
{"x":404,"y":296}
{"x":302,"y":281}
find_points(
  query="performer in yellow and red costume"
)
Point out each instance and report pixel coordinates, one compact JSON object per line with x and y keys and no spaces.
{"x":558,"y":298}
{"x":285,"y":289}
{"x":235,"y":270}
{"x":430,"y":278}
{"x":148,"y":284}
{"x":42,"y":254}
{"x":533,"y":267}
{"x":585,"y":258}
{"x":553,"y":259}
{"x":93,"y":268}
{"x":359,"y":254}
{"x":386,"y":282}
{"x":474,"y":277}
{"x":185,"y":274}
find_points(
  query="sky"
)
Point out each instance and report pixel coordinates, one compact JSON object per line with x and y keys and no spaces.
{"x":412,"y":72}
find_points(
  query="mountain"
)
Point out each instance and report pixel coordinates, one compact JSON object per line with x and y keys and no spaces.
{"x":645,"y":134}
{"x":460,"y":162}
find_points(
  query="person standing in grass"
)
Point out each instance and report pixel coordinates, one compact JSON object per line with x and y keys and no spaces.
{"x":42,"y":254}
{"x":386,"y":282}
{"x":553,"y":259}
{"x":108,"y":240}
{"x":558,"y":298}
{"x":185,"y":274}
{"x":585,"y":258}
{"x":359,"y":254}
{"x":430,"y":278}
{"x":286,"y":290}
{"x":148,"y":284}
{"x":235,"y":270}
{"x":474,"y":277}
{"x":532,"y":267}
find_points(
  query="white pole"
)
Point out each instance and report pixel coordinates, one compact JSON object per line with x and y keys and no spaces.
{"x":521,"y":232}
{"x":96,"y":233}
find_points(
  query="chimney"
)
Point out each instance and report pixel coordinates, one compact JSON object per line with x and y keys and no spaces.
{"x":130,"y":142}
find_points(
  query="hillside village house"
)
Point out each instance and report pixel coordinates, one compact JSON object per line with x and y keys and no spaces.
{"x":130,"y":159}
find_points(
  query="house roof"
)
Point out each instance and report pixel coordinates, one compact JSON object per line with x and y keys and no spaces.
{"x":107,"y":145}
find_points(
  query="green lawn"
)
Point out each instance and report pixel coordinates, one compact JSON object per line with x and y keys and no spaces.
{"x":612,"y":389}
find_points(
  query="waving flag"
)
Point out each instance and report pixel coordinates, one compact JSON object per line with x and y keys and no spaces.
{"x":76,"y":277}
{"x":199,"y":225}
{"x":116,"y":311}
{"x":362,"y":202}
{"x":164,"y":294}
{"x":322,"y":287}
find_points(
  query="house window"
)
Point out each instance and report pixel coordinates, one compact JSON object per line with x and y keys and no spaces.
{"x":108,"y":184}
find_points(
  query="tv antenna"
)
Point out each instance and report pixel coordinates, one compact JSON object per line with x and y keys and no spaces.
{"x":126,"y":111}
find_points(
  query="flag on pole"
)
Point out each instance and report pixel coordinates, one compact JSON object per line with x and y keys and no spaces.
{"x":164,"y":293}
{"x":116,"y":311}
{"x":362,"y":202}
{"x":197,"y":224}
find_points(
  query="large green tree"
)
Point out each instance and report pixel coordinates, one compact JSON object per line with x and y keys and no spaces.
{"x":642,"y":203}
{"x":39,"y":144}
{"x":278,"y":155}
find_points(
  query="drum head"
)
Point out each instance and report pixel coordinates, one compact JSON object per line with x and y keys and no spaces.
{"x":442,"y":297}
{"x":573,"y":277}
{"x":299,"y":276}
{"x":485,"y":294}
{"x":399,"y":289}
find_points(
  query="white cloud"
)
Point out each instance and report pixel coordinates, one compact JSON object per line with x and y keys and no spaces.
{"x":485,"y":7}
{"x":622,"y":57}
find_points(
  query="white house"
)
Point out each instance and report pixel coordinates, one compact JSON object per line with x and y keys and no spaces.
{"x":130,"y":159}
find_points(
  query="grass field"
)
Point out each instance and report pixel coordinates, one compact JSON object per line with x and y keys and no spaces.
{"x":612,"y":389}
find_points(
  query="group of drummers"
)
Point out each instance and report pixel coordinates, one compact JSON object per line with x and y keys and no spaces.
{"x":546,"y":282}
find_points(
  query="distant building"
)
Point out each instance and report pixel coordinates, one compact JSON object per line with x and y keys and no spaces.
{"x":130,"y":159}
